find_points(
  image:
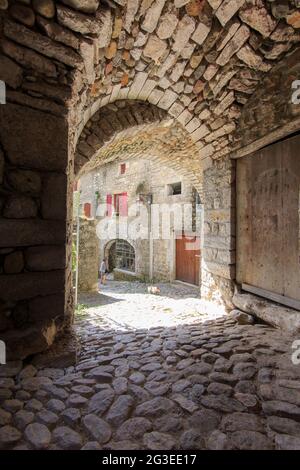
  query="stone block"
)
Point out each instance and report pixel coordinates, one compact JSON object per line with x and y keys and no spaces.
{"x":2,"y":163}
{"x":3,"y":4}
{"x":42,"y":44}
{"x":242,"y":318}
{"x":277,"y":315}
{"x":58,"y":33}
{"x":62,"y":354}
{"x":45,"y":8}
{"x":46,"y":307}
{"x":131,"y":10}
{"x":15,"y":287}
{"x":152,"y":16}
{"x":45,"y":258}
{"x":227,"y":9}
{"x":201,"y":33}
{"x":137,"y":85}
{"x":54,"y":197}
{"x":86,"y":6}
{"x":234,"y":45}
{"x":26,"y":342}
{"x":14,"y":262}
{"x":222,"y":243}
{"x":20,"y":207}
{"x":25,"y":181}
{"x":155,"y":48}
{"x":221,"y":270}
{"x":146,"y":90}
{"x":31,"y":232}
{"x":29,"y":58}
{"x":183,"y":33}
{"x":167,"y":99}
{"x":251,"y":58}
{"x":42,"y":138}
{"x":258,"y":17}
{"x":23,"y":14}
{"x":11,"y":73}
{"x":78,"y":22}
{"x":167,"y":26}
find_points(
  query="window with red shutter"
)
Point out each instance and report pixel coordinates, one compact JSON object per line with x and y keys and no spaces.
{"x":123,"y":205}
{"x":87,"y":209}
{"x":122,"y":168}
{"x":108,"y":205}
{"x":120,"y":204}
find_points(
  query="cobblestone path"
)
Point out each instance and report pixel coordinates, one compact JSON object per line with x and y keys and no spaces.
{"x":153,"y":373}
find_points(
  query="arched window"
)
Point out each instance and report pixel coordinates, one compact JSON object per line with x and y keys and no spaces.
{"x":122,"y":256}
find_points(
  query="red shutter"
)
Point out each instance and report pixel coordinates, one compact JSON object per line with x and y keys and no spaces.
{"x":122,"y":168}
{"x":123,"y":204}
{"x":109,"y":205}
{"x":87,"y":209}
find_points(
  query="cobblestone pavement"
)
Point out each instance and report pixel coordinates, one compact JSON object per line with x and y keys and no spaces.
{"x":144,"y":383}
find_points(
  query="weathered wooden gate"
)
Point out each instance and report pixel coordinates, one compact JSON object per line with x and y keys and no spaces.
{"x":188,"y":259}
{"x":268,"y":238}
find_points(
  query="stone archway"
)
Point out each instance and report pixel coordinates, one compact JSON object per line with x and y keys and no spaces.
{"x":63,"y":62}
{"x":137,"y":129}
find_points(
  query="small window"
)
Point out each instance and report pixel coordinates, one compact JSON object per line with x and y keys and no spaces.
{"x":122,"y":168}
{"x":108,"y":205}
{"x":174,"y":189}
{"x":125,"y":255}
{"x":120,"y":204}
{"x":87,"y":210}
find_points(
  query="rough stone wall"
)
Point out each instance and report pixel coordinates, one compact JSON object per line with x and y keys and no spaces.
{"x":142,"y":176}
{"x":277,"y":113}
{"x":198,"y":61}
{"x":88,"y":263}
{"x":218,"y":261}
{"x":33,"y":305}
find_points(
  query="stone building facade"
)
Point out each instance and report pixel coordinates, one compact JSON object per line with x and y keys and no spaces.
{"x":149,"y":191}
{"x":200,"y":83}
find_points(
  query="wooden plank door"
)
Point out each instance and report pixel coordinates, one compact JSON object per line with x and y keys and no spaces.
{"x":268,"y":185}
{"x":188,"y":259}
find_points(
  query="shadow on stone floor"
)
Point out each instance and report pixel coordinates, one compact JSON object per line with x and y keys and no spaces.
{"x":202,"y":385}
{"x":97,"y":299}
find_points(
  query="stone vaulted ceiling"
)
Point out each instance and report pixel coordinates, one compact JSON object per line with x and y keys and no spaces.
{"x":199,"y":61}
{"x":133,"y":129}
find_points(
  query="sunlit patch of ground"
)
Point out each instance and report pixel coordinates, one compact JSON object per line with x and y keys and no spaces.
{"x":128,"y":305}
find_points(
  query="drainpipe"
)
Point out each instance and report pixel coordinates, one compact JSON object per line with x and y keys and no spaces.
{"x":77,"y":247}
{"x":150,"y":255}
{"x":151,"y":244}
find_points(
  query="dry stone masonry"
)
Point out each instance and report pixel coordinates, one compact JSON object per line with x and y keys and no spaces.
{"x":212,"y":385}
{"x":200,"y":62}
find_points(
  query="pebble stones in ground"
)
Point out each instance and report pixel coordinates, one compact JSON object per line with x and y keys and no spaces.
{"x":228,"y":386}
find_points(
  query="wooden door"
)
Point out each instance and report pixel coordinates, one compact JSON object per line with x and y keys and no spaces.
{"x":268,"y":239}
{"x":188,"y":259}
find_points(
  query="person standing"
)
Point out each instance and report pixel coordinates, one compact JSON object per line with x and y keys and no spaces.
{"x":103,"y":271}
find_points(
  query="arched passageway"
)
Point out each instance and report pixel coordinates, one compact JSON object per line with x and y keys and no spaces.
{"x":66,"y":67}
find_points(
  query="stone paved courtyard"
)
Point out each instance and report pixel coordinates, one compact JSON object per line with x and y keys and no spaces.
{"x":155,"y":373}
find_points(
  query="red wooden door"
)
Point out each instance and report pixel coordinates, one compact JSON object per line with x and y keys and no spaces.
{"x":188,"y":259}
